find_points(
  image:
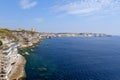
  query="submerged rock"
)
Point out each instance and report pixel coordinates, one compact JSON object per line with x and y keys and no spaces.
{"x":26,"y":53}
{"x":42,"y":69}
{"x":32,"y":50}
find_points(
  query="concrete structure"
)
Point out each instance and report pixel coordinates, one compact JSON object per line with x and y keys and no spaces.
{"x":33,"y":29}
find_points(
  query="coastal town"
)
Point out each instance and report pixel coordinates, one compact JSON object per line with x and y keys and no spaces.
{"x":11,"y":41}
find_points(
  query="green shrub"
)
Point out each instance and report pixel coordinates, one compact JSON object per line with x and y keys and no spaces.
{"x":1,"y":43}
{"x":7,"y":33}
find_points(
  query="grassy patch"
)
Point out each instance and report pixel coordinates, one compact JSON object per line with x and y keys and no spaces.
{"x":7,"y":33}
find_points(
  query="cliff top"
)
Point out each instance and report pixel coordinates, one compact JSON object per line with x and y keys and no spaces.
{"x":6,"y":33}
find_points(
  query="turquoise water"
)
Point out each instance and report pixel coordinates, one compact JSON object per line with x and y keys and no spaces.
{"x":95,"y":58}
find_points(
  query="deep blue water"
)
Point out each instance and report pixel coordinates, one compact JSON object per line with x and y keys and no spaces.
{"x":95,"y":58}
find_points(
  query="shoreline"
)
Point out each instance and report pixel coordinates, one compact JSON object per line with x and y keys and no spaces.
{"x":13,"y":62}
{"x":19,"y":72}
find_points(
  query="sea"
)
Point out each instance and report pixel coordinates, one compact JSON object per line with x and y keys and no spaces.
{"x":78,"y":58}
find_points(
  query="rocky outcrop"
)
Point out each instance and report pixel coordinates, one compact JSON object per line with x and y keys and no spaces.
{"x":11,"y":63}
{"x":27,"y":38}
{"x":18,"y":72}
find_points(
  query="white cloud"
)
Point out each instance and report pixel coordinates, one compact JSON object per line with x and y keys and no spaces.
{"x":27,"y":4}
{"x":88,"y":6}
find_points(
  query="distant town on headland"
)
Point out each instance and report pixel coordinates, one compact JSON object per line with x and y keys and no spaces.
{"x":61,"y":34}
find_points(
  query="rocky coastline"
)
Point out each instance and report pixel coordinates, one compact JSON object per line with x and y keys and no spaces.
{"x":12,"y":42}
{"x":26,"y":40}
{"x":19,"y":71}
{"x":15,"y":52}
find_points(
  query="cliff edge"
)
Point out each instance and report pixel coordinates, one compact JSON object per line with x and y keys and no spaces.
{"x":18,"y":72}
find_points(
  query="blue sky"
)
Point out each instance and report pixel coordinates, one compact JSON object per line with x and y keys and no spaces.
{"x":101,"y":16}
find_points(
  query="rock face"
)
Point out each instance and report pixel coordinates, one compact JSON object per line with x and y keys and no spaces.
{"x":18,"y":71}
{"x":27,"y":38}
{"x":10,"y":61}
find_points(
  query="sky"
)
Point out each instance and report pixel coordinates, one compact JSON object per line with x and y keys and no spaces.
{"x":96,"y":16}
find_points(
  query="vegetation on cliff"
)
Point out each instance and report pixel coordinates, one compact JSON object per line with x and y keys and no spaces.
{"x":7,"y":33}
{"x":1,"y":43}
{"x":25,"y":31}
